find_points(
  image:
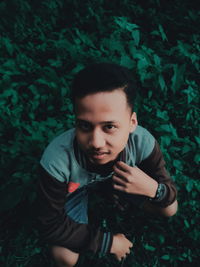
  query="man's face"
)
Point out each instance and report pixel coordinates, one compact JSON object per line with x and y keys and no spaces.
{"x":103,"y":123}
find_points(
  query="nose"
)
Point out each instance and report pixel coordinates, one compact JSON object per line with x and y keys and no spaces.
{"x":96,"y":140}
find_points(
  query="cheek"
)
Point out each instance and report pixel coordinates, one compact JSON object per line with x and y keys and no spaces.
{"x":81,"y":138}
{"x":120,"y":140}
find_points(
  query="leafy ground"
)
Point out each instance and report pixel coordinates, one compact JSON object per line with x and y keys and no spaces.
{"x":43,"y":44}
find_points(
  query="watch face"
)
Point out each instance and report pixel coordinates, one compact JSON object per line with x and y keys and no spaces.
{"x":160,"y":193}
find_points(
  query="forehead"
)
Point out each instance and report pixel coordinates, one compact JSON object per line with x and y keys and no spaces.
{"x":102,"y":105}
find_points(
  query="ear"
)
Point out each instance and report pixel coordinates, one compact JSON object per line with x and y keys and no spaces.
{"x":133,"y":122}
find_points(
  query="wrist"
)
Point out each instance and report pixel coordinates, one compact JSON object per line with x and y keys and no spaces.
{"x":153,"y":189}
{"x":160,"y":193}
{"x":112,"y":249}
{"x":107,"y":242}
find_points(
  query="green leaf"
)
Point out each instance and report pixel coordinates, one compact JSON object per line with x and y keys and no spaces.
{"x":9,"y":46}
{"x":165,"y":257}
{"x":161,"y":82}
{"x":178,"y":164}
{"x":157,"y":60}
{"x":142,"y":65}
{"x":197,"y":158}
{"x":165,"y":141}
{"x":168,"y":128}
{"x":186,"y":223}
{"x":162,"y":114}
{"x":197,"y":138}
{"x":178,"y":76}
{"x":77,"y":68}
{"x":124,"y":24}
{"x":189,"y":186}
{"x":55,"y":63}
{"x":186,"y":149}
{"x":12,"y":94}
{"x":161,"y":238}
{"x":162,"y":33}
{"x":127,"y":61}
{"x":136,"y":37}
{"x":191,"y":94}
{"x":150,"y":93}
{"x":150,"y":248}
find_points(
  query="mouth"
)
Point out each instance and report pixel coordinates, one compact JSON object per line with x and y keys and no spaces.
{"x":98,"y":155}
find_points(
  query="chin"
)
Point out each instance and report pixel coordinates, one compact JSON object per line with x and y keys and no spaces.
{"x":101,"y":161}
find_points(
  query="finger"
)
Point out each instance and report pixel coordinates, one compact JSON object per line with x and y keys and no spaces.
{"x":119,"y":187}
{"x":123,"y":166}
{"x":119,"y":180}
{"x":118,"y":258}
{"x":120,"y":172}
{"x":123,"y":260}
{"x":130,"y":244}
{"x":127,"y":254}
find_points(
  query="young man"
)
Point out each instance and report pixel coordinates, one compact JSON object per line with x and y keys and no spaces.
{"x":107,"y":144}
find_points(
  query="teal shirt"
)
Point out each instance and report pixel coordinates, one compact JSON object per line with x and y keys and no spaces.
{"x":60,"y":162}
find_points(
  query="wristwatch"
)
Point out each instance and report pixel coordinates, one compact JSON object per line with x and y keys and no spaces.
{"x":160,"y":193}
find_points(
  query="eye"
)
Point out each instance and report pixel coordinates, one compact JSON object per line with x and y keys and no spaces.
{"x":83,"y":126}
{"x":110,"y":127}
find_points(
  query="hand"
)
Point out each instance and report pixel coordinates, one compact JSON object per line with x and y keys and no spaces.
{"x":120,"y":246}
{"x":133,"y":180}
{"x":64,"y":256}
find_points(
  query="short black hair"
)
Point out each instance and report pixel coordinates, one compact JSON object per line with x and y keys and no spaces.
{"x":102,"y":77}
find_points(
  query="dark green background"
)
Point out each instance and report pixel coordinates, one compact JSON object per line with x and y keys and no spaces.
{"x":43,"y":44}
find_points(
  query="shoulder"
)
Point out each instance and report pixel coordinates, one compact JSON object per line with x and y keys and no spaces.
{"x":55,"y":159}
{"x":143,"y":142}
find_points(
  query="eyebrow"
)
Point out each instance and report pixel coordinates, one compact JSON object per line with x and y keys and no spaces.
{"x":102,"y":122}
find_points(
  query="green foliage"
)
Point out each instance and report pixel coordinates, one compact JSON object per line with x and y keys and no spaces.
{"x":43,"y":44}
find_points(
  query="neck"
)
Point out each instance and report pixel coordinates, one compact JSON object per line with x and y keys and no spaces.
{"x":103,"y":169}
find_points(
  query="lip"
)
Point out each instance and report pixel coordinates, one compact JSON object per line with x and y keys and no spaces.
{"x":98,"y":155}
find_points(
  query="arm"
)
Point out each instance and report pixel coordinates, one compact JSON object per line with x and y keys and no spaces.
{"x":166,"y":212}
{"x":154,"y":166}
{"x":55,"y":226}
{"x":144,"y":179}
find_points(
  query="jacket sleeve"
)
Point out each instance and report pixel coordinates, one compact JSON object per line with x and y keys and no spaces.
{"x":154,"y":166}
{"x":57,"y":228}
